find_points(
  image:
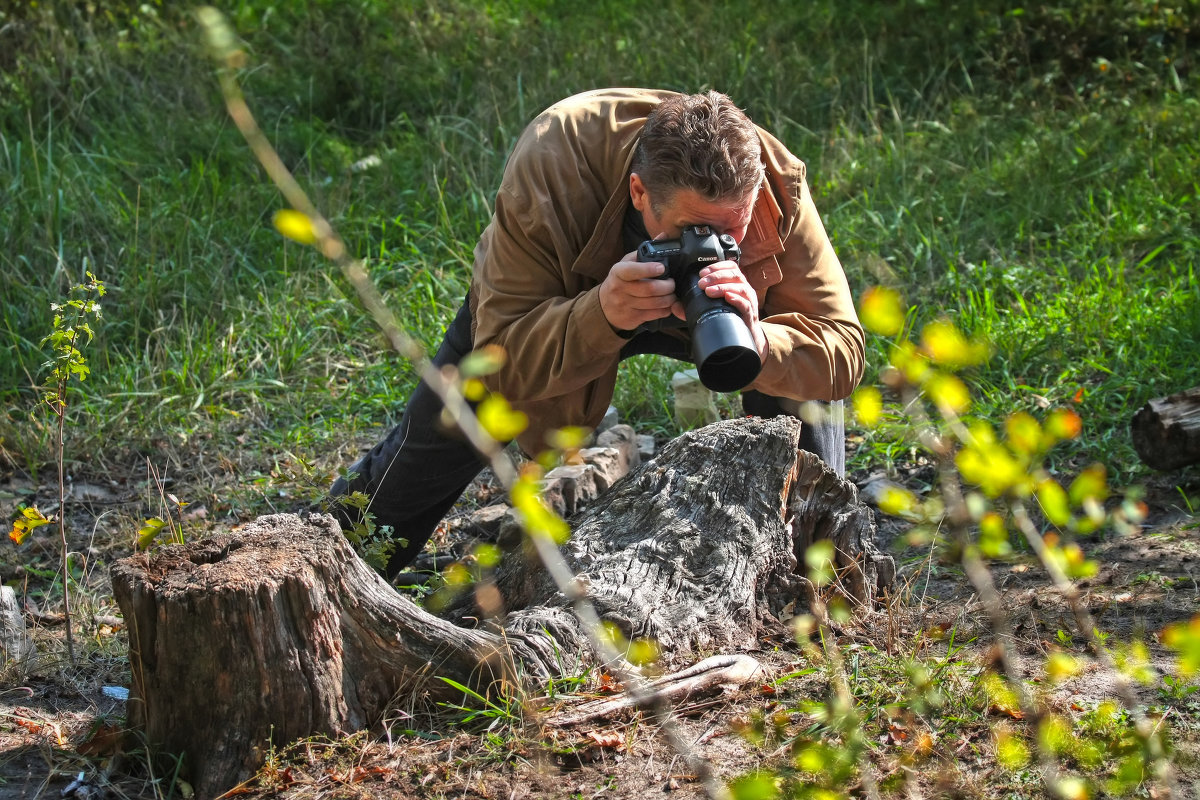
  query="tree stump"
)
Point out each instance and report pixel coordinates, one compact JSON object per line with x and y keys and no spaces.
{"x":1166,"y":431}
{"x":279,"y":631}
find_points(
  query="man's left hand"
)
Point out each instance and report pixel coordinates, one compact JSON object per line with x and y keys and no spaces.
{"x":725,"y":279}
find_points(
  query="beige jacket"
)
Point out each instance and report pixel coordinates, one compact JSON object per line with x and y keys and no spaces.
{"x":556,"y":232}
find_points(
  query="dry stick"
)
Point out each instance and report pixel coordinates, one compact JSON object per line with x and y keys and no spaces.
{"x":223,"y":42}
{"x":60,"y":408}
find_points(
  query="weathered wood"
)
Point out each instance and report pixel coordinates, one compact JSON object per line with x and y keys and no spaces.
{"x":715,"y":672}
{"x":1166,"y":431}
{"x":702,"y":548}
{"x":278,"y":631}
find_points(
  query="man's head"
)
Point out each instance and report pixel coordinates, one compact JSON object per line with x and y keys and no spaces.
{"x":699,"y":151}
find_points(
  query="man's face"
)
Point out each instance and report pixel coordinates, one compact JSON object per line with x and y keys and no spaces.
{"x":689,"y":208}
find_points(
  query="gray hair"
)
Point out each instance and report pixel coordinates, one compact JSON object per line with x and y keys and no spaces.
{"x":701,"y":142}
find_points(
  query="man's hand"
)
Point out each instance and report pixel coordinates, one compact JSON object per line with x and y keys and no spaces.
{"x":634,"y":293}
{"x":725,"y":279}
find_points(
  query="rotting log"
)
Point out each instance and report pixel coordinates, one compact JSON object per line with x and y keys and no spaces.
{"x":278,"y":630}
{"x":1166,"y":431}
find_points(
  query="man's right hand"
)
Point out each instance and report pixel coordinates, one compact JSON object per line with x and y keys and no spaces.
{"x":634,"y":293}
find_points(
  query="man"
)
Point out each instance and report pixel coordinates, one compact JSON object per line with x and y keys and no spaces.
{"x":557,"y":284}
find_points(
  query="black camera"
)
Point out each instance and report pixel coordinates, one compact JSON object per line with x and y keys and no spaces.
{"x":722,"y":346}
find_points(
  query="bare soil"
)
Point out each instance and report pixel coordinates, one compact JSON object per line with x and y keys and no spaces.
{"x":61,"y":727}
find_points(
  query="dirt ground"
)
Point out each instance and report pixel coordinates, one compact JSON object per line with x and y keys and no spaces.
{"x":61,"y":724}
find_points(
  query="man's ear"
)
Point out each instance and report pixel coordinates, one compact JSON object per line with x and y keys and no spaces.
{"x":637,"y":192}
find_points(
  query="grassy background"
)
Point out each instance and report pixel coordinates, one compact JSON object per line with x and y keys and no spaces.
{"x":1030,"y":173}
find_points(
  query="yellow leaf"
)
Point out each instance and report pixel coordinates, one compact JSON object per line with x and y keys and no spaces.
{"x":610,"y":634}
{"x":897,"y":501}
{"x":881,"y":311}
{"x":912,"y":365}
{"x":474,"y":390}
{"x":537,"y":518}
{"x":456,"y":575}
{"x":1024,"y":433}
{"x":992,"y":468}
{"x":1060,"y":666}
{"x":868,"y":405}
{"x":30,"y":520}
{"x":499,"y":419}
{"x":949,"y":393}
{"x":1011,"y":752}
{"x":1072,"y":788}
{"x":487,"y":555}
{"x":295,"y":225}
{"x":945,"y":344}
{"x":756,"y":786}
{"x":149,"y":532}
{"x":1055,"y":734}
{"x":643,"y":652}
{"x":1184,"y":639}
{"x":571,"y":437}
{"x":1133,"y":661}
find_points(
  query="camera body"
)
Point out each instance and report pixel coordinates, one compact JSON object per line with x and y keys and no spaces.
{"x":722,"y":345}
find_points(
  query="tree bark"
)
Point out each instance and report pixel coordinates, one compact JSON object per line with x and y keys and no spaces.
{"x":279,"y":631}
{"x":1166,"y":431}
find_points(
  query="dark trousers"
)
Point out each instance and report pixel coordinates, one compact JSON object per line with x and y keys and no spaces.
{"x":417,"y":473}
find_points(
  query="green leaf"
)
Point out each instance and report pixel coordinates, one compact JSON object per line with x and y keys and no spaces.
{"x":484,"y":361}
{"x":819,"y":559}
{"x":466,"y":690}
{"x":1091,"y":484}
{"x":1055,"y":503}
{"x":993,"y":536}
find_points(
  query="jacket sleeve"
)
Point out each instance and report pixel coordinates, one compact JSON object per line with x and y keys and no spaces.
{"x":816,"y":347}
{"x":527,"y":301}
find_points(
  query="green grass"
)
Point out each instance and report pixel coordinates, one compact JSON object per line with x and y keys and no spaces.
{"x":1029,"y":175}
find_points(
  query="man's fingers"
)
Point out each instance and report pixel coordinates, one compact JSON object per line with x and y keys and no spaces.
{"x":637,"y":270}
